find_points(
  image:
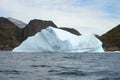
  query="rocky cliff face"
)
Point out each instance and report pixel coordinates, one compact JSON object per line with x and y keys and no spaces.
{"x":35,"y":26}
{"x":10,"y":34}
{"x":111,"y":39}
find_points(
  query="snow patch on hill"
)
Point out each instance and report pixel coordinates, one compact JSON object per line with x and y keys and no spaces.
{"x":18,"y":23}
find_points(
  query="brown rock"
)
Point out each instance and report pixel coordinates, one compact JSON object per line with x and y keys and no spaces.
{"x":35,"y":26}
{"x":111,"y":39}
{"x":10,"y":34}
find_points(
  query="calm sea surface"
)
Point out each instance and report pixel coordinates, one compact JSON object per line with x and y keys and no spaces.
{"x":59,"y":66}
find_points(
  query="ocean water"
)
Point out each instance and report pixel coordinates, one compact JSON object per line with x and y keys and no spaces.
{"x":59,"y":66}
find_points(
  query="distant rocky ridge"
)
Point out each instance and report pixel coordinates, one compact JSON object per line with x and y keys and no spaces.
{"x":111,"y":39}
{"x":13,"y":32}
{"x":35,"y":26}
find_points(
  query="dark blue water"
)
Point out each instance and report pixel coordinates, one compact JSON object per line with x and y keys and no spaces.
{"x":59,"y":66}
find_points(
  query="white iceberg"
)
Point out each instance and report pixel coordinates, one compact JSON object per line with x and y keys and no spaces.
{"x":57,"y":40}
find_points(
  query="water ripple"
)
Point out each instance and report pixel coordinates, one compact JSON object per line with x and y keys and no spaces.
{"x":71,"y":73}
{"x":39,"y":66}
{"x":11,"y":72}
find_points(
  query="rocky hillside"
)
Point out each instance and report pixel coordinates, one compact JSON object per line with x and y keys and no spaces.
{"x":35,"y":26}
{"x":10,"y":34}
{"x":111,"y":39}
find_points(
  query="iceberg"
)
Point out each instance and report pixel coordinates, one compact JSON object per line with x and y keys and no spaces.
{"x":56,"y":40}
